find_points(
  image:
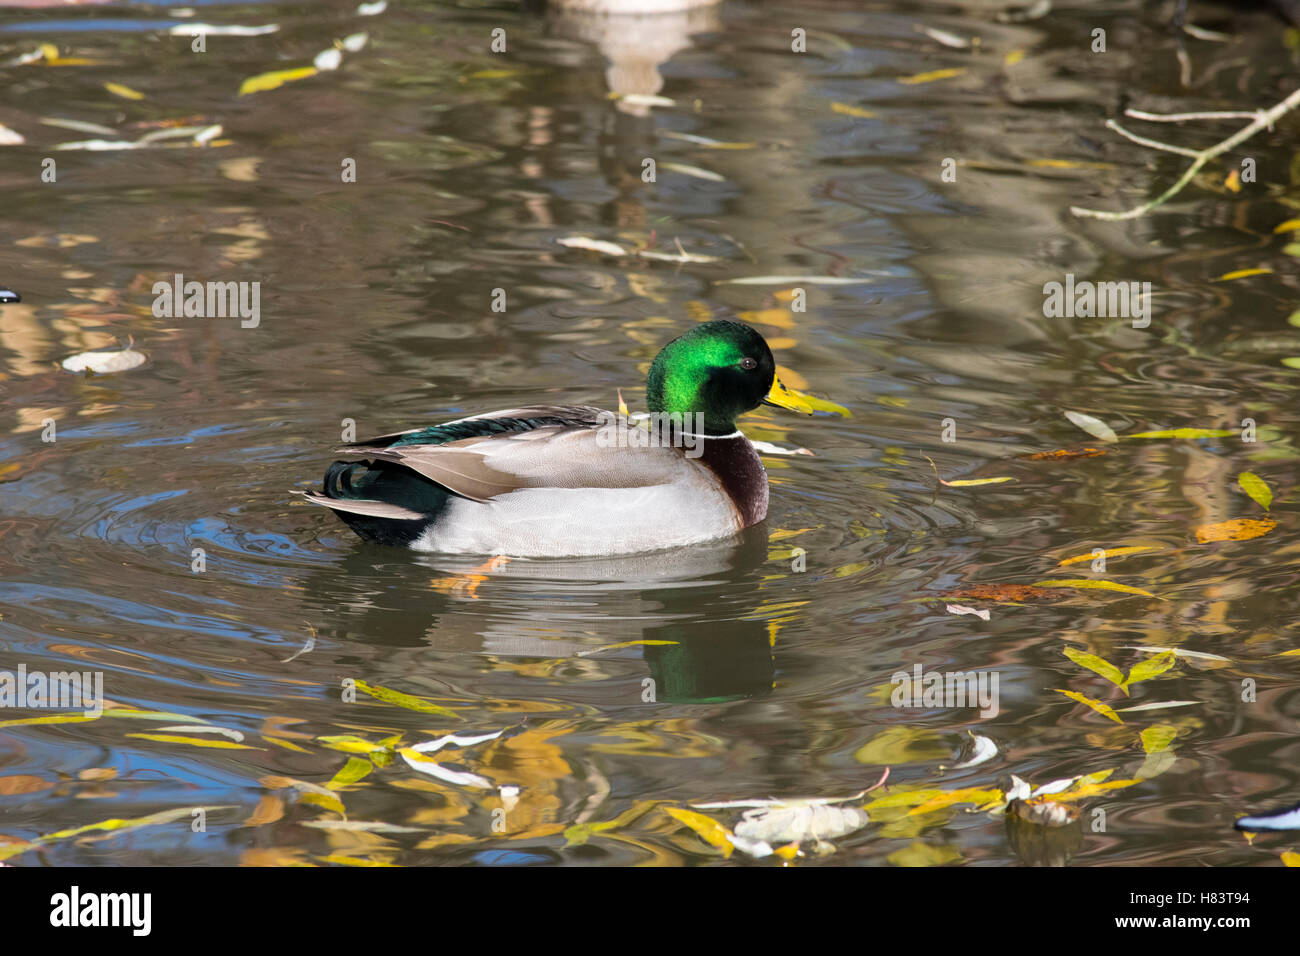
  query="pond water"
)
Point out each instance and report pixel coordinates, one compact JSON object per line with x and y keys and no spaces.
{"x":156,"y":541}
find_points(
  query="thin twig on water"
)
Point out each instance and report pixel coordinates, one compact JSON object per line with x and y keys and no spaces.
{"x":1263,"y":119}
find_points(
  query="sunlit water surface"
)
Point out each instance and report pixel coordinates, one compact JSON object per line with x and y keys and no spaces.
{"x":771,"y":675}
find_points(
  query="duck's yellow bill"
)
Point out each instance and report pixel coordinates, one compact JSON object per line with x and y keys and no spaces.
{"x":783,"y":396}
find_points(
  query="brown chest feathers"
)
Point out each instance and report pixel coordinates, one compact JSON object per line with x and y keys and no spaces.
{"x":738,"y":467}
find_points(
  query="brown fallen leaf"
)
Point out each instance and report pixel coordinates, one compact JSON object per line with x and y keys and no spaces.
{"x":97,"y":773}
{"x":23,"y":783}
{"x":269,"y":809}
{"x":1065,"y":454}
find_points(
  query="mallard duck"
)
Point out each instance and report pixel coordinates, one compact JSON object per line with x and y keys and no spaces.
{"x":575,"y":480}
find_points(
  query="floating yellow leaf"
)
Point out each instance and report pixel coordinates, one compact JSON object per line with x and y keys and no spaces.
{"x":312,"y":793}
{"x":1098,"y":665}
{"x":117,"y":89}
{"x":1088,"y":790}
{"x":621,"y":644}
{"x":579,"y":833}
{"x":780,"y":534}
{"x":848,"y":110}
{"x":709,"y":829}
{"x":194,"y":741}
{"x":1108,"y":554}
{"x":153,"y":819}
{"x":324,"y":801}
{"x":274,"y":79}
{"x":1291,"y":858}
{"x":355,"y":769}
{"x":1069,"y":164}
{"x":931,"y":76}
{"x":1090,"y":584}
{"x":948,"y":798}
{"x":1014,"y":57}
{"x":1291,"y":225}
{"x":51,"y":719}
{"x":1243,"y":273}
{"x":352,"y":744}
{"x":1238,"y":529}
{"x":963,"y":482}
{"x":1104,"y":709}
{"x":396,"y":697}
{"x":1233,"y":181}
{"x":1158,"y":737}
{"x":1256,"y":487}
{"x":970,"y":482}
{"x":901,"y":798}
{"x":1186,"y":433}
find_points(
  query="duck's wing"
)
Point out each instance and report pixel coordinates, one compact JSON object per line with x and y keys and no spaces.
{"x":506,"y":420}
{"x":534,"y":447}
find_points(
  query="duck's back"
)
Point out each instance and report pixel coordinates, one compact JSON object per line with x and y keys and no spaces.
{"x":544,"y":481}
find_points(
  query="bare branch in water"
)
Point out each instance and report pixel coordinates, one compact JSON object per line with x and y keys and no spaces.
{"x":1263,"y":119}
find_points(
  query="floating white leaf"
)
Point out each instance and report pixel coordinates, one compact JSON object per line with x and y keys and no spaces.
{"x":1282,"y":820}
{"x":1093,"y":426}
{"x":328,"y":59}
{"x":767,"y":448}
{"x":103,"y":363}
{"x":232,"y":30}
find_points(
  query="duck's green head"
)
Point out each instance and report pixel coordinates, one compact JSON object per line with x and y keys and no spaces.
{"x":720,"y":369}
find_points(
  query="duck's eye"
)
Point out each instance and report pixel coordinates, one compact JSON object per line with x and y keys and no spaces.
{"x":748,"y":363}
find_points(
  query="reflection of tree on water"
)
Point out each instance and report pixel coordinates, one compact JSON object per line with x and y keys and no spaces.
{"x":635,"y":45}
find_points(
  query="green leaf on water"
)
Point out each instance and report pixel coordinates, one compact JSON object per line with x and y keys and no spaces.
{"x":1091,"y":585}
{"x":1098,"y":665}
{"x":397,"y":698}
{"x":580,"y":833}
{"x":1149,"y":668}
{"x":1158,"y":737}
{"x":1291,"y":362}
{"x":355,"y":769}
{"x":1256,"y":487}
